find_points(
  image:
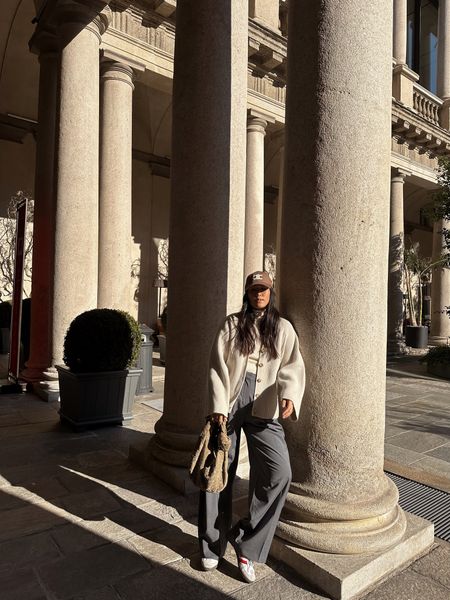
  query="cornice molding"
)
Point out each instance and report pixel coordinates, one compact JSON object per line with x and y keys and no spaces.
{"x":416,"y":132}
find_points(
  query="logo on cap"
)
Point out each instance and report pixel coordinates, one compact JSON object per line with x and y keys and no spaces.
{"x":257,"y":276}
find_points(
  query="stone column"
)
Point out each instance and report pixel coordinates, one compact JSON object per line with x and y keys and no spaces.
{"x":403,"y":78}
{"x":76,"y":237}
{"x":396,"y":344}
{"x":443,"y":67}
{"x":334,"y":288}
{"x":114,"y":264}
{"x":440,"y":289}
{"x":207,"y":215}
{"x":44,"y":214}
{"x":400,"y":30}
{"x":279,"y":216}
{"x":254,"y":196}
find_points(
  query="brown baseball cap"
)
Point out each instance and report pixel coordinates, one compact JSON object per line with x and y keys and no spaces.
{"x":258,"y":278}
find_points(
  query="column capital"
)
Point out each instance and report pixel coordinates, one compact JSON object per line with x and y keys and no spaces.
{"x":399,"y":175}
{"x":44,"y":41}
{"x":256,"y":124}
{"x":94,"y":15}
{"x":118,"y":71}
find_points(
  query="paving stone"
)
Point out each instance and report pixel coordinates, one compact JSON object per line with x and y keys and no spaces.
{"x":84,"y":535}
{"x":100,"y":458}
{"x":409,"y":585}
{"x":26,"y":520}
{"x":87,"y":570}
{"x":418,"y":441}
{"x":400,"y":412}
{"x":443,"y":453}
{"x":400,"y":455}
{"x":49,"y":489}
{"x":76,"y":482}
{"x":168,"y":544}
{"x":136,"y":520}
{"x":171,"y":510}
{"x":434,"y":466}
{"x":29,"y":428}
{"x":104,"y":593}
{"x":21,"y":585}
{"x":277,"y":587}
{"x":27,"y":474}
{"x":396,"y":428}
{"x":144,"y":490}
{"x":13,"y":497}
{"x":27,"y":551}
{"x":393,"y":395}
{"x":89,"y":504}
{"x":116,"y":474}
{"x":9,"y":419}
{"x":166,"y":583}
{"x":40,"y":415}
{"x":435,"y":565}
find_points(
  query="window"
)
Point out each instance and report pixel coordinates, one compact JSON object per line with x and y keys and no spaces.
{"x":422,"y":41}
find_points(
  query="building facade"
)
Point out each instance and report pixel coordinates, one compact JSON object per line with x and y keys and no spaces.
{"x":134,"y":122}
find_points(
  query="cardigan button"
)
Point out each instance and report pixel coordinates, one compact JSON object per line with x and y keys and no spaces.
{"x":258,"y":380}
{"x":260,"y":365}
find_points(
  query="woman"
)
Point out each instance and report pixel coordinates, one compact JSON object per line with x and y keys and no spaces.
{"x":256,"y":368}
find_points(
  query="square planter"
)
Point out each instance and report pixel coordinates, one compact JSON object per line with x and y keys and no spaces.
{"x":441,"y":369}
{"x":97,"y":398}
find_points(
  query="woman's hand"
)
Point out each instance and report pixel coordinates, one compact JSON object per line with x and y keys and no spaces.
{"x":218,"y":418}
{"x":287,"y":407}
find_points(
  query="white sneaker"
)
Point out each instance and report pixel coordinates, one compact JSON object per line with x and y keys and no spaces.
{"x":247,"y":569}
{"x":209,"y":564}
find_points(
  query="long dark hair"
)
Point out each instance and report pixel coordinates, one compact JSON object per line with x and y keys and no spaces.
{"x":268,"y":327}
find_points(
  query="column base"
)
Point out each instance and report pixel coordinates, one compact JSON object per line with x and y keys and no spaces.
{"x":33,"y":374}
{"x":48,"y":389}
{"x":396,"y":347}
{"x":343,"y":577}
{"x":439,"y":340}
{"x":177,"y":477}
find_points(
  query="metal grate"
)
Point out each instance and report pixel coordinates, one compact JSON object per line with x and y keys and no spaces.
{"x":425,"y":502}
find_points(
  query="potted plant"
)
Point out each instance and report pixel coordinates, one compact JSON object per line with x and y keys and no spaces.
{"x":417,"y":270}
{"x":98,"y":383}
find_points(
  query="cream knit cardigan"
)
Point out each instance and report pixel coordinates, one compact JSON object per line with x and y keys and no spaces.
{"x":277,"y":379}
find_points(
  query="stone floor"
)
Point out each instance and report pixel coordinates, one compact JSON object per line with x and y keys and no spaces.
{"x":78,"y":521}
{"x":417,"y":423}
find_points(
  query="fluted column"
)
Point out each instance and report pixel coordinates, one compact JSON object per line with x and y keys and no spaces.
{"x":254,"y":196}
{"x":400,"y":30}
{"x":76,"y":236}
{"x":114,"y":264}
{"x":443,"y":66}
{"x":440,"y":289}
{"x":334,"y":274}
{"x":396,"y":344}
{"x":44,"y":214}
{"x":207,"y":214}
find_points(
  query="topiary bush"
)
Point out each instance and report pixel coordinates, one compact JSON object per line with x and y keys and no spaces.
{"x":102,"y":339}
{"x":437,"y":354}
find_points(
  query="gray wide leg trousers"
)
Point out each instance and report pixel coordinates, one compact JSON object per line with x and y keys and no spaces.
{"x":270,"y":477}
